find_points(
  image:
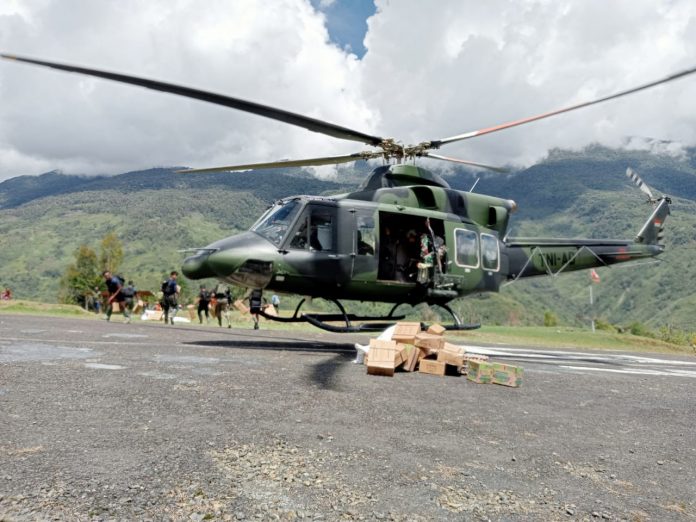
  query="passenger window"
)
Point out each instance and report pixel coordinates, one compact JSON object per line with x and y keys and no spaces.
{"x":490,"y":253}
{"x":466,"y":244}
{"x":366,"y":235}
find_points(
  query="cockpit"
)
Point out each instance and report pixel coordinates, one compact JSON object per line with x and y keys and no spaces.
{"x":299,"y":224}
{"x":275,"y":222}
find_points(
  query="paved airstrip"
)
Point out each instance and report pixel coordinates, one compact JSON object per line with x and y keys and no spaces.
{"x":109,"y":420}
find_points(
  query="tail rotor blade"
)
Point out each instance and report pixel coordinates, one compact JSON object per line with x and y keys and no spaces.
{"x":635,"y":178}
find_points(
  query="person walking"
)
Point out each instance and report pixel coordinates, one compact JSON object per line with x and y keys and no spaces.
{"x":170,"y":294}
{"x":114,"y":286}
{"x":129,"y":291}
{"x":203,"y":305}
{"x":222,"y":304}
{"x":275,"y":301}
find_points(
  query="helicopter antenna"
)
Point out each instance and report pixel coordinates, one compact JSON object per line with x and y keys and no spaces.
{"x":474,"y":185}
{"x":635,"y":178}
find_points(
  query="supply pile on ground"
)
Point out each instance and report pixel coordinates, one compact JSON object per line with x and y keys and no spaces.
{"x":410,"y":349}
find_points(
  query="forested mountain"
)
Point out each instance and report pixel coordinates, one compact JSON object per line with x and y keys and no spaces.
{"x":155,"y":213}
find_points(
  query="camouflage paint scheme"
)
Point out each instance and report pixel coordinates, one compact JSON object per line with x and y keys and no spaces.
{"x":404,"y":196}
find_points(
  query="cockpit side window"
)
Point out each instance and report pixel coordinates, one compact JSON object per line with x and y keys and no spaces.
{"x":315,"y":230}
{"x":275,"y":223}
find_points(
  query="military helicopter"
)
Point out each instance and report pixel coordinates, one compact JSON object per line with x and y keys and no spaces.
{"x":402,"y":237}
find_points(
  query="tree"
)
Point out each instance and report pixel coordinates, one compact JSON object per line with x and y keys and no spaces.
{"x":111,"y":252}
{"x":80,"y":277}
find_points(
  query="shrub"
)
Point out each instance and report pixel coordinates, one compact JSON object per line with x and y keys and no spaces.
{"x":550,"y":319}
{"x":601,"y":324}
{"x":640,"y":329}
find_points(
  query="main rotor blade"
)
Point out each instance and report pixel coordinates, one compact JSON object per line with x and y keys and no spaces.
{"x":464,"y":162}
{"x":329,"y":160}
{"x":437,"y":143}
{"x":299,"y":120}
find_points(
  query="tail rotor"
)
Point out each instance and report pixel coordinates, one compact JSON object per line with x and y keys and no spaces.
{"x":635,"y":178}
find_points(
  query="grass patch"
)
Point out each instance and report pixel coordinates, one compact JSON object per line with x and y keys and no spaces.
{"x":35,"y":308}
{"x":569,"y":338}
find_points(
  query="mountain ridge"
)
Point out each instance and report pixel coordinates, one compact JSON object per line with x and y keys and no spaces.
{"x":155,"y":212}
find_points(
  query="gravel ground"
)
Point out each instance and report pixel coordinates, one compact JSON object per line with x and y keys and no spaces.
{"x":108,"y":421}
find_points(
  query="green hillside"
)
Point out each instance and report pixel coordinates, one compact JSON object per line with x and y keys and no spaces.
{"x":156,"y":213}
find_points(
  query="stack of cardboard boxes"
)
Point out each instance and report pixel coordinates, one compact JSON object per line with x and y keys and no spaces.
{"x":411,"y":349}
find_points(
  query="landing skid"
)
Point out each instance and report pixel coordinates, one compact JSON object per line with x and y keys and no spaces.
{"x":455,"y":326}
{"x":374,"y":323}
{"x":370,"y":323}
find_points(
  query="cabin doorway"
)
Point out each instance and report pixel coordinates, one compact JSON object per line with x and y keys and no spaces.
{"x":409,"y":249}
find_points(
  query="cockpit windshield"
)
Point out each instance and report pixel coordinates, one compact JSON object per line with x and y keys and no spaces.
{"x":274,"y":224}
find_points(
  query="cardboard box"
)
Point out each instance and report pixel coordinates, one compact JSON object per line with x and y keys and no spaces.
{"x":454,"y":348}
{"x":436,"y":329}
{"x":429,"y":341}
{"x":381,"y":361}
{"x":406,"y":332}
{"x":451,"y":358}
{"x":399,"y":350}
{"x":412,"y":354}
{"x":239,"y":305}
{"x":432,"y":367}
{"x":475,"y":357}
{"x":479,"y":372}
{"x":401,"y":354}
{"x":377,"y":343}
{"x":494,"y":373}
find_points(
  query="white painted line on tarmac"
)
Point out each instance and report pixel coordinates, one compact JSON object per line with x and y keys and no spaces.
{"x":100,"y":366}
{"x":672,"y":373}
{"x":521,"y":353}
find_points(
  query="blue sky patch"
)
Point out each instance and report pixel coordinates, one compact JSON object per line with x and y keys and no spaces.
{"x":346,"y":21}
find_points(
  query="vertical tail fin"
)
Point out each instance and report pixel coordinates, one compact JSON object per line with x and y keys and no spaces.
{"x":652,"y":231}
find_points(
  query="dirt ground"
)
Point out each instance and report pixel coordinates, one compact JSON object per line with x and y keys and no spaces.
{"x":104,"y":421}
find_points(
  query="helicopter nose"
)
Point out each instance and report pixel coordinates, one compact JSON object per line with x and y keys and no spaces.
{"x":197,"y":266}
{"x":225,"y":262}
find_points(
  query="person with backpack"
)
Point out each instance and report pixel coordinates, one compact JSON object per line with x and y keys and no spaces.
{"x":129,"y":292}
{"x":170,"y":294}
{"x":203,"y":305}
{"x":114,"y":285}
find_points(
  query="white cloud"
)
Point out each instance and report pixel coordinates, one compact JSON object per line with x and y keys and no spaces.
{"x":469,"y":65}
{"x":278,"y":55}
{"x":430,"y":72}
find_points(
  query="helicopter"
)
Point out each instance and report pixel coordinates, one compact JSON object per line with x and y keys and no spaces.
{"x":403,"y":237}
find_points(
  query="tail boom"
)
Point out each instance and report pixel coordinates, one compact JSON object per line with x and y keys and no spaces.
{"x":528,"y":257}
{"x":536,"y":257}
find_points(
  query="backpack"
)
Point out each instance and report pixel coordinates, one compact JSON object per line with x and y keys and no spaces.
{"x":167,"y":288}
{"x":121,"y":280}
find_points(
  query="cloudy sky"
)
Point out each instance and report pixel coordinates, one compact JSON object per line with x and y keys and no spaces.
{"x":397,"y":68}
